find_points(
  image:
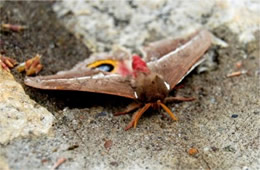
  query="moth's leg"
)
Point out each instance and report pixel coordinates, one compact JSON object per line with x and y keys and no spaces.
{"x":141,"y":113}
{"x":137,"y":116}
{"x":168,"y":111}
{"x":7,"y":62}
{"x":178,"y":98}
{"x":179,"y":86}
{"x":130,"y":107}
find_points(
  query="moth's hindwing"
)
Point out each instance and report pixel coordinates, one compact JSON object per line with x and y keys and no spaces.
{"x":174,"y":65}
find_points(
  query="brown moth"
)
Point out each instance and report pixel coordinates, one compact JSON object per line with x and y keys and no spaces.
{"x":148,"y":81}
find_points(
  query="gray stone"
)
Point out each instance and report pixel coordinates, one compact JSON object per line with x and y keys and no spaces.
{"x":19,"y":115}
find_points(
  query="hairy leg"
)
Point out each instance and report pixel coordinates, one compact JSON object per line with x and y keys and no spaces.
{"x":130,"y":107}
{"x":168,"y":110}
{"x":137,"y":116}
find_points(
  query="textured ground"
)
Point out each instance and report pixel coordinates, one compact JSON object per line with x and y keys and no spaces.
{"x":223,"y":123}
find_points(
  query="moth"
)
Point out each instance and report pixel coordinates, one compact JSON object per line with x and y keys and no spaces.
{"x":147,"y":80}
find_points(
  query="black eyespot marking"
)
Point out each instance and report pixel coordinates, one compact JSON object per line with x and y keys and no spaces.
{"x":105,"y":67}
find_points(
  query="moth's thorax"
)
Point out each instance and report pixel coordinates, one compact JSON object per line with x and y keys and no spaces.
{"x":150,"y":87}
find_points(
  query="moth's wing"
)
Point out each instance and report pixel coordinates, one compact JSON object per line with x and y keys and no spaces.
{"x":82,"y":78}
{"x":118,"y":54}
{"x":155,"y":50}
{"x":175,"y":59}
{"x":107,"y":84}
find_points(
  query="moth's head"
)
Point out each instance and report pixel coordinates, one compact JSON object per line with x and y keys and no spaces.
{"x":139,"y":66}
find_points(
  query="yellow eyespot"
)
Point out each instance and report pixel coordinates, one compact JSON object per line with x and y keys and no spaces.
{"x":104,"y":65}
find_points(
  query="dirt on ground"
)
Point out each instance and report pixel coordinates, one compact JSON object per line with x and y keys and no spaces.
{"x":222,"y":123}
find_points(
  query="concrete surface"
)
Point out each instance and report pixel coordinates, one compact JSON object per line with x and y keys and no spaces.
{"x":20,"y":116}
{"x":103,"y":24}
{"x":223,"y":123}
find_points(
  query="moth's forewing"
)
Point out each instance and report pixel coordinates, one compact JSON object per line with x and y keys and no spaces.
{"x":176,"y":64}
{"x":99,"y":83}
{"x":83,"y":78}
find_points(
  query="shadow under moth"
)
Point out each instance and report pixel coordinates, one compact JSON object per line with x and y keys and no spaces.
{"x":147,"y":80}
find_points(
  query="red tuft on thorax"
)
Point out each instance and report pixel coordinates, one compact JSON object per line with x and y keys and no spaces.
{"x":139,"y":65}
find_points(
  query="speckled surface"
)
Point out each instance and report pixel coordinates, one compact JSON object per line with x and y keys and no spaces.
{"x":84,"y":121}
{"x":103,"y":24}
{"x":20,"y":116}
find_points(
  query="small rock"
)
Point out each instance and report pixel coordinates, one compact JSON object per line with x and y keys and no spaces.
{"x":214,"y":149}
{"x":108,"y":144}
{"x":229,"y":148}
{"x":234,"y":115}
{"x":114,"y":164}
{"x":193,"y":151}
{"x":73,"y":147}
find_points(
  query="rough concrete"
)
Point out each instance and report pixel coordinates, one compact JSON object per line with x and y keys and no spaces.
{"x":20,"y":116}
{"x":223,"y":123}
{"x":103,"y":24}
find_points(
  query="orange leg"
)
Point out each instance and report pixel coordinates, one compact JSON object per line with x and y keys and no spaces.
{"x":137,"y":116}
{"x":129,"y":108}
{"x":167,"y":110}
{"x":141,"y":113}
{"x":178,"y":98}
